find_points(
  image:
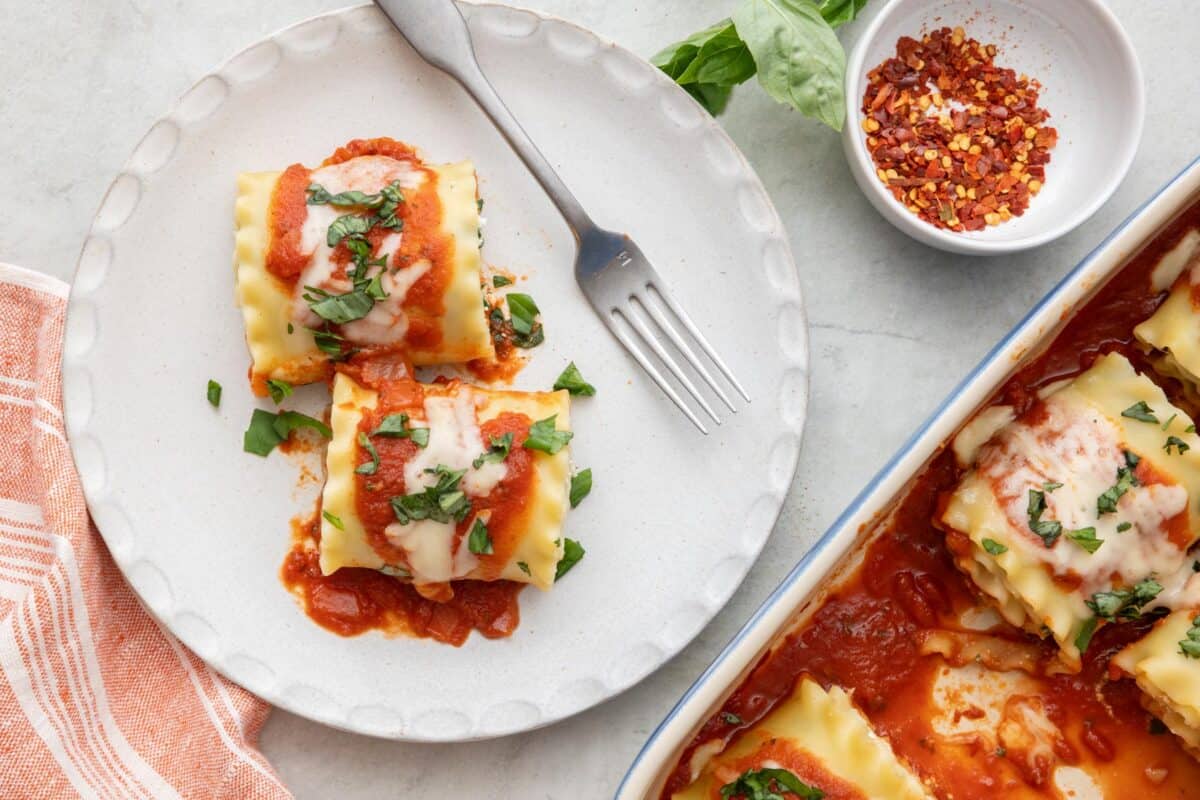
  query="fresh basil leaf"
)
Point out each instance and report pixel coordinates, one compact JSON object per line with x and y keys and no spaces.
{"x":723,"y":59}
{"x":544,"y":437}
{"x":339,"y":308}
{"x":581,"y":485}
{"x":799,"y":59}
{"x":1048,"y":530}
{"x":261,"y":437}
{"x":1190,"y":646}
{"x":214,"y":393}
{"x":442,"y":502}
{"x":676,"y":58}
{"x":347,"y":225}
{"x":498,"y":450}
{"x":499,"y":281}
{"x":994,"y":547}
{"x":288,"y":421}
{"x":1141,"y":412}
{"x":1084,"y":637}
{"x":839,"y":12}
{"x":573,"y":382}
{"x":367,"y":467}
{"x":769,"y":783}
{"x":713,"y":97}
{"x":478,"y":540}
{"x":279,"y":390}
{"x":1085,"y":538}
{"x":573,"y":552}
{"x":333,"y":520}
{"x":1180,"y":445}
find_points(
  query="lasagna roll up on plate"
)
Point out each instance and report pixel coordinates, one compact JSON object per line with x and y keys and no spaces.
{"x":815,"y":737}
{"x":440,"y":482}
{"x":1075,"y":513}
{"x":373,"y":250}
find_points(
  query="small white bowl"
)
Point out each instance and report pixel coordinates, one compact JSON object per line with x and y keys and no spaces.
{"x":1092,"y":87}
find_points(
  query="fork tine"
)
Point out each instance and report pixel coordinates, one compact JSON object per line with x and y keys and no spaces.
{"x":636,"y":351}
{"x":666,"y":358}
{"x":669,"y":302}
{"x":689,"y":354}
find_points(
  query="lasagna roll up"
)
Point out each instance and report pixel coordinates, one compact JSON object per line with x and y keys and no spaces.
{"x":821,"y":740}
{"x":1073,"y":513}
{"x":440,"y":482}
{"x":1172,"y":334}
{"x":374,"y":250}
{"x":1165,"y":663}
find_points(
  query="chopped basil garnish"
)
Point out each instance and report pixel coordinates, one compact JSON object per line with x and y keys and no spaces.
{"x":573,"y":382}
{"x":267,"y":430}
{"x":581,"y":485}
{"x":339,"y":308}
{"x":1124,"y":526}
{"x":291,"y":328}
{"x":498,"y":450}
{"x":572,"y":552}
{"x":1170,"y":419}
{"x":347,"y":225}
{"x":544,"y":437}
{"x":396,"y":426}
{"x":1048,"y":530}
{"x":330,"y":344}
{"x":499,"y":281}
{"x":279,"y":390}
{"x":730,"y":718}
{"x":527,"y":331}
{"x":214,"y":393}
{"x":1180,"y":445}
{"x":769,"y":784}
{"x":1085,"y":538}
{"x":1190,"y":429}
{"x":1126,"y":480}
{"x":367,"y":467}
{"x":1141,"y":412}
{"x":1084,"y":637}
{"x":479,"y":541}
{"x":1124,"y":603}
{"x":524,"y":567}
{"x":994,"y":547}
{"x":1190,"y":646}
{"x":1050,"y":486}
{"x":333,"y":520}
{"x":442,"y":502}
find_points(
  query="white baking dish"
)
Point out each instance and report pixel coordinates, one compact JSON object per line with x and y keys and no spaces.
{"x":837,"y":549}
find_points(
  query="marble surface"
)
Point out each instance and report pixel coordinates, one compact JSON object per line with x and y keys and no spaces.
{"x":895,"y":325}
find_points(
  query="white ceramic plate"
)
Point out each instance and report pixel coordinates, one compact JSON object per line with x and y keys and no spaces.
{"x":675,"y":520}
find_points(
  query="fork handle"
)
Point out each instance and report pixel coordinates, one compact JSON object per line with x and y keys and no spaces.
{"x":438,"y":32}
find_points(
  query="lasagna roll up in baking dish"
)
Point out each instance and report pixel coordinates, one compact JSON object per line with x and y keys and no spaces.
{"x":374,"y":250}
{"x":440,"y":482}
{"x":1165,"y":663}
{"x":1076,"y":513}
{"x":815,"y":743}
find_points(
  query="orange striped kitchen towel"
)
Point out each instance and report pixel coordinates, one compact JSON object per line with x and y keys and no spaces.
{"x":96,"y":700}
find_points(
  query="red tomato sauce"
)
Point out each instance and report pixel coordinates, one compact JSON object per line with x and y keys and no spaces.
{"x":353,"y":601}
{"x":866,"y":634}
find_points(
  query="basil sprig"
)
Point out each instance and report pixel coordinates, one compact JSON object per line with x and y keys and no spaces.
{"x":445,"y":501}
{"x":789,"y":44}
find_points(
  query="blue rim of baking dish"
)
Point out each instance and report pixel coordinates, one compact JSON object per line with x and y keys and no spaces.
{"x":883,"y":474}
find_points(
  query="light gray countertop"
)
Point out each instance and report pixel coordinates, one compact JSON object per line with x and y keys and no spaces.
{"x":894,"y":324}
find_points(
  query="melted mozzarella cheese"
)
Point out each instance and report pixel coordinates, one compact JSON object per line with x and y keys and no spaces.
{"x":455,"y":441}
{"x":386,"y":321}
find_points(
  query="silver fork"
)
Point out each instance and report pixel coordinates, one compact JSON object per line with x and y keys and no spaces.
{"x":617,"y":279}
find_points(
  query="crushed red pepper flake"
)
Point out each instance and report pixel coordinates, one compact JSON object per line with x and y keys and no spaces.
{"x":960,"y":141}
